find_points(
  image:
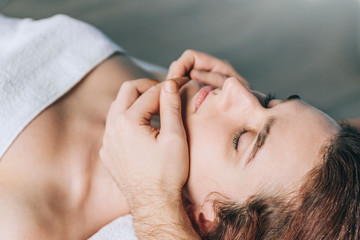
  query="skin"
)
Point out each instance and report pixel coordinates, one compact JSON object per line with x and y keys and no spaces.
{"x":214,"y":165}
{"x":128,"y":130}
{"x":52,"y":182}
{"x":292,"y":148}
{"x":52,"y":185}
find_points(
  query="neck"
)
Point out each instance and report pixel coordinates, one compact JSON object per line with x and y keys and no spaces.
{"x":77,"y":186}
{"x":55,"y":164}
{"x":84,"y":181}
{"x":91,"y":190}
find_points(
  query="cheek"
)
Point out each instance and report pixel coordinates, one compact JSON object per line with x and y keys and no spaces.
{"x":209,"y":163}
{"x":209,"y":171}
{"x":201,"y":177}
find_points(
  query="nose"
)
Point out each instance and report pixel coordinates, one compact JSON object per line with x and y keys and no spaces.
{"x":235,"y":95}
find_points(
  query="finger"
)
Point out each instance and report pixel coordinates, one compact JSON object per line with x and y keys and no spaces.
{"x":170,"y":109}
{"x":191,"y":59}
{"x":243,"y":81}
{"x":148,"y":103}
{"x":208,"y":78}
{"x":145,"y":106}
{"x":213,"y":78}
{"x":131,"y":90}
{"x":180,"y":81}
{"x":172,"y":71}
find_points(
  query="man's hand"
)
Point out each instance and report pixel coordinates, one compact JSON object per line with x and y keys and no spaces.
{"x":150,"y":165}
{"x":203,"y":68}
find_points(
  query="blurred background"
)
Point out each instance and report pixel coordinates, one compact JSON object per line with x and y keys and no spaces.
{"x":307,"y":47}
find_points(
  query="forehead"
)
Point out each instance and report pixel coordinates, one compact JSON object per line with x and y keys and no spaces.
{"x":302,"y":128}
{"x":294,"y":145}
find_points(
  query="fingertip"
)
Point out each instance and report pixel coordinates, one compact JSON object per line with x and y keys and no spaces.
{"x":172,"y":69}
{"x":195,"y":72}
{"x":170,"y":86}
{"x":232,"y":79}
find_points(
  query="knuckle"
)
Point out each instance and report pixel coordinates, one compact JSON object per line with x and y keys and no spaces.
{"x":155,"y":87}
{"x":173,"y":135}
{"x":226,"y":61}
{"x":124,"y":122}
{"x":174,"y":106}
{"x":125,"y":118}
{"x":220,"y":77}
{"x":189,"y":52}
{"x":127,"y":85}
{"x":173,"y":64}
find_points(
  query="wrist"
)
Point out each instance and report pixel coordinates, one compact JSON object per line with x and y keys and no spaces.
{"x":153,"y":201}
{"x":162,"y":217}
{"x":154,"y":194}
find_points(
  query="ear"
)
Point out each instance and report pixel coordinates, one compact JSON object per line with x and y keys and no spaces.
{"x":202,"y":217}
{"x":206,"y":217}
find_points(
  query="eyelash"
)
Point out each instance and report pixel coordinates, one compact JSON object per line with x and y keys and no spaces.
{"x":237,"y":137}
{"x":268,"y":98}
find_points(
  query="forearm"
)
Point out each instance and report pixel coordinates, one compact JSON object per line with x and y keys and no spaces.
{"x":159,"y":219}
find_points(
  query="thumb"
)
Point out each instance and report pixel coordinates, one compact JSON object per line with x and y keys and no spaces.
{"x":170,"y":109}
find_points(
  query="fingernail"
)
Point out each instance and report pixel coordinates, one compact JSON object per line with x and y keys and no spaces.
{"x":170,"y":86}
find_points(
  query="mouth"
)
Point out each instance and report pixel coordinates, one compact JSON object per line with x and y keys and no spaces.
{"x":201,"y":95}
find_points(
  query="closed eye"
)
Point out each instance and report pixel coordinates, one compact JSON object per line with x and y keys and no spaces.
{"x":237,"y":136}
{"x":267,"y":100}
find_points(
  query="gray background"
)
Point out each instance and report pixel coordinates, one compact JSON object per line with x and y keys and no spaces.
{"x":308,"y":47}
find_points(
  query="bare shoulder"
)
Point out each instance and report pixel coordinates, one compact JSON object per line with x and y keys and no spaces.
{"x":18,"y":220}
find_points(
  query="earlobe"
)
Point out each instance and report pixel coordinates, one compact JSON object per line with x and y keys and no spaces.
{"x":205,"y":225}
{"x":202,"y":217}
{"x":206,"y":218}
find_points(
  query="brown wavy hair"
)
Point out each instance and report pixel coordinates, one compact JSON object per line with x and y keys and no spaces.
{"x":327,"y":205}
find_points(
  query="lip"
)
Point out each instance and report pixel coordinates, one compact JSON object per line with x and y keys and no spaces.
{"x":201,"y":95}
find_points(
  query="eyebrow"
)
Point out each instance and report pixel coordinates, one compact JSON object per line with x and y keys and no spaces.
{"x":265,"y":132}
{"x":261,"y":138}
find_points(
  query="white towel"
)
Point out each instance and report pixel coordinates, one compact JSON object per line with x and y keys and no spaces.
{"x":39,"y":62}
{"x":120,"y":228}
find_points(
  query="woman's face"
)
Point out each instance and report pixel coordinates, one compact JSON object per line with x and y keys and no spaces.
{"x":238,"y":147}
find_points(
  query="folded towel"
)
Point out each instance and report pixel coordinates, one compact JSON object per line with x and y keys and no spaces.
{"x":39,"y":62}
{"x":120,"y":228}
